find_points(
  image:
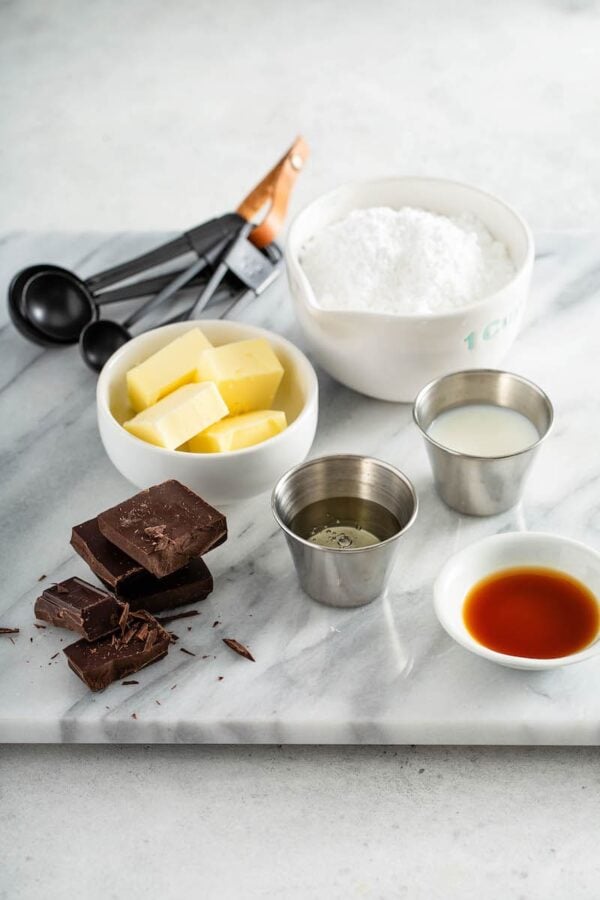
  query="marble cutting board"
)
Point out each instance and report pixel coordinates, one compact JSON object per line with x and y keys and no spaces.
{"x":386,"y":673}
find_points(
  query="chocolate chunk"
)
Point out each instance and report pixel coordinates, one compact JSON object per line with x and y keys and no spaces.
{"x":110,"y":564}
{"x":80,"y":607}
{"x":190,"y":584}
{"x":164,"y":527}
{"x":111,"y":658}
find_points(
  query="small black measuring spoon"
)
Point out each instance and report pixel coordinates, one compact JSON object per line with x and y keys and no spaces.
{"x":100,"y":339}
{"x":50,"y":305}
{"x":254,"y":268}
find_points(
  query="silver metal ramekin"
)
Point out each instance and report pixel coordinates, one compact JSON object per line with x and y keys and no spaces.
{"x":481,"y":485}
{"x":352,"y":577}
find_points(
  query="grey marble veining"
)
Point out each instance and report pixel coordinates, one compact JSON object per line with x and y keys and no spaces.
{"x":381,"y":674}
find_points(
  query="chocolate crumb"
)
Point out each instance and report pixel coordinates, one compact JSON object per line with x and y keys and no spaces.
{"x":174,"y":686}
{"x":61,"y":589}
{"x":12,"y":642}
{"x":129,"y":682}
{"x":164,"y":620}
{"x":238,"y":648}
{"x":9,"y":630}
{"x":35,"y":625}
{"x":189,"y":652}
{"x":55,"y":655}
{"x":31,"y":640}
{"x":214,"y":624}
{"x":220,"y":678}
{"x":41,"y":578}
{"x":157,"y":701}
{"x":189,"y":628}
{"x":134,"y":715}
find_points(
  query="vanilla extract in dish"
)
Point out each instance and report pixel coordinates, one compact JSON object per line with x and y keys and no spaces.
{"x":483,"y":429}
{"x":345,"y":523}
{"x":532,"y":612}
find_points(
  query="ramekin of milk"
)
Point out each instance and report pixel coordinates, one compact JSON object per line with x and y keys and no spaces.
{"x":482,"y":430}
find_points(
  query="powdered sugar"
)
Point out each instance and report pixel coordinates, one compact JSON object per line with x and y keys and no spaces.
{"x":406,"y":261}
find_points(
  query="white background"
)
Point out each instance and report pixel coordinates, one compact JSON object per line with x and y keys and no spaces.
{"x":119,"y":115}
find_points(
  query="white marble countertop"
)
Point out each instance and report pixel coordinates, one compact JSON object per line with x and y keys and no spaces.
{"x":119,"y":116}
{"x":385,"y":673}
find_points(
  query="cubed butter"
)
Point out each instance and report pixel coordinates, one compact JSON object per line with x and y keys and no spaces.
{"x":166,"y":370}
{"x":237,"y":432}
{"x":247,"y":374}
{"x":179,"y":416}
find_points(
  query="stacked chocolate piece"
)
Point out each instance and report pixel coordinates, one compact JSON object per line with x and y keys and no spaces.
{"x":147,"y":552}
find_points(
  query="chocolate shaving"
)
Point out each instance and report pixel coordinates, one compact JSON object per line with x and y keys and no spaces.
{"x":157,"y":533}
{"x":123,"y":617}
{"x":238,"y":648}
{"x":35,"y":625}
{"x":189,"y":652}
{"x":9,"y":630}
{"x":55,"y":655}
{"x":129,"y":635}
{"x":150,"y":640}
{"x":143,"y":632}
{"x":164,"y":620}
{"x":129,"y":682}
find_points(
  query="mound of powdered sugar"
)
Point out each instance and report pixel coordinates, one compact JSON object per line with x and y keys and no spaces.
{"x":404,"y":261}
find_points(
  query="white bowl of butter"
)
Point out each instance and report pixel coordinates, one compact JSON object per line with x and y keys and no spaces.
{"x":391,"y":355}
{"x":220,"y":477}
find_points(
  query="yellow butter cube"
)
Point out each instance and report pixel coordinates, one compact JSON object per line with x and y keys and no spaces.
{"x":247,"y":374}
{"x":166,"y":370}
{"x":236,"y":432}
{"x":180,"y":416}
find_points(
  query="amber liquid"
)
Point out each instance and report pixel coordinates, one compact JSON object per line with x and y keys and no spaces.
{"x":532,"y":612}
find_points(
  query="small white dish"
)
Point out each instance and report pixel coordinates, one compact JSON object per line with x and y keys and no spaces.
{"x":220,"y":478}
{"x":505,"y":551}
{"x":392,"y":356}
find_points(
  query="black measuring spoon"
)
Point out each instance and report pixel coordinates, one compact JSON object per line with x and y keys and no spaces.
{"x":50,"y":305}
{"x":255,"y":269}
{"x":100,"y":339}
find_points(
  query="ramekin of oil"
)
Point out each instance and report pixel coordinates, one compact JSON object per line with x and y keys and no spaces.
{"x":342,"y":517}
